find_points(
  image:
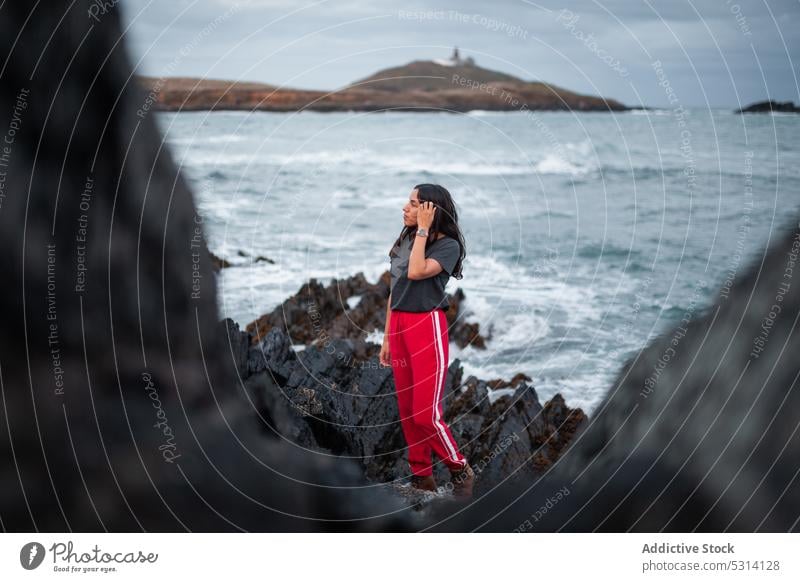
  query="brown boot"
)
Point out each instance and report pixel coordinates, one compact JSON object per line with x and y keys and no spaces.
{"x":462,"y":481}
{"x":426,"y":483}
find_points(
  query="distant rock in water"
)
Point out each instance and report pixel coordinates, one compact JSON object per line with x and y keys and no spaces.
{"x":769,"y":107}
{"x":219,"y":263}
{"x":455,"y":85}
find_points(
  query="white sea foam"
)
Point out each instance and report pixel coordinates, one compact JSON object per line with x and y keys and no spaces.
{"x":573,"y":159}
{"x":499,"y":393}
{"x":353,"y":301}
{"x":199,"y":140}
{"x":650,"y":112}
{"x":375,"y":337}
{"x":555,"y":164}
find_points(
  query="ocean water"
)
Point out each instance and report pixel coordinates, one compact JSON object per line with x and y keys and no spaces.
{"x":587,"y":233}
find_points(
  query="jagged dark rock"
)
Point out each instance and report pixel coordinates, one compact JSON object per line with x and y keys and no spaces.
{"x":328,"y":397}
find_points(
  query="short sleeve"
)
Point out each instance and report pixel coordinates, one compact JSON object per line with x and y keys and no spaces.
{"x":446,"y":252}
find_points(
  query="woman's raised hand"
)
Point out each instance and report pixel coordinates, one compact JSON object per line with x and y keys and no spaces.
{"x":425,"y":214}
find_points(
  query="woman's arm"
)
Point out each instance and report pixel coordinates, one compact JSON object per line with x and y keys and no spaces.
{"x":418,"y":266}
{"x":388,"y":316}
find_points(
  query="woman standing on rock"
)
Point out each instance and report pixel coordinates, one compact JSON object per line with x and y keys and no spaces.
{"x":427,"y":253}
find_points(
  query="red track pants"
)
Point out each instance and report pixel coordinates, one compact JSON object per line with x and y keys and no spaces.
{"x":418,"y":346}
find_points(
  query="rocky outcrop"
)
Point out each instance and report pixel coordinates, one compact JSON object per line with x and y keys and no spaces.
{"x":351,"y":308}
{"x":334,"y":400}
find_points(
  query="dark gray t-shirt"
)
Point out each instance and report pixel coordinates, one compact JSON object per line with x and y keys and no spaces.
{"x":422,"y":294}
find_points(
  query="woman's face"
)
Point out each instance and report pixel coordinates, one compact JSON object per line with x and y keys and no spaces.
{"x":410,"y":209}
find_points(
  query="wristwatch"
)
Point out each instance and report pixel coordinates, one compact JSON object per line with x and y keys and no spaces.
{"x":422,"y":232}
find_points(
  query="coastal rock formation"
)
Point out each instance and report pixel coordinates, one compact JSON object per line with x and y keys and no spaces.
{"x":330,"y":399}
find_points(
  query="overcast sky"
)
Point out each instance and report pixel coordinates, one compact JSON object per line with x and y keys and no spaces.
{"x":716,"y":53}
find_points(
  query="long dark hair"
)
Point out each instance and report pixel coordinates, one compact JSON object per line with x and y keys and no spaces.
{"x":445,"y":220}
